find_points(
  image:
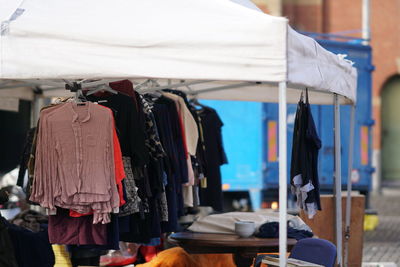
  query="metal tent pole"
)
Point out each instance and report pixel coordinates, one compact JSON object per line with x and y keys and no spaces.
{"x":338,"y":182}
{"x":282,"y":175}
{"x":349,"y":185}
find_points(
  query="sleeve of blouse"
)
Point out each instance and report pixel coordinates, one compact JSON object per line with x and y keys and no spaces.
{"x":42,"y":189}
{"x":48,"y":168}
{"x":37,"y":190}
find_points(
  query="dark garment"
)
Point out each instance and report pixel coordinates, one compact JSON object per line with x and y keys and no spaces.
{"x":27,"y":164}
{"x":178,"y":154}
{"x":87,"y":261}
{"x":67,"y":230}
{"x":3,"y":195}
{"x":135,"y":228}
{"x":314,"y":145}
{"x":25,"y":157}
{"x":7,"y":257}
{"x":130,"y":126}
{"x":271,"y":230}
{"x":85,"y":252}
{"x":214,"y":158}
{"x":304,"y":160}
{"x":174,"y":164}
{"x":31,"y":249}
{"x":30,"y":219}
{"x":131,"y":134}
{"x":130,"y":131}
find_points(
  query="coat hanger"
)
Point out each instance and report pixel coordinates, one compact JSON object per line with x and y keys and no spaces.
{"x":79,"y":97}
{"x":195,"y":102}
{"x":101,"y":87}
{"x":75,"y":87}
{"x":149,"y":83}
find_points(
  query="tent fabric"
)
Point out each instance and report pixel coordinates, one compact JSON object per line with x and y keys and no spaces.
{"x":216,"y":40}
{"x":310,"y":65}
{"x":184,"y":39}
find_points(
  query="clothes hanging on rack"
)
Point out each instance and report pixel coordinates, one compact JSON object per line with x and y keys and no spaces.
{"x":131,"y":133}
{"x":175,"y":165}
{"x":68,"y":136}
{"x":118,"y":166}
{"x":21,"y":181}
{"x":156,"y":164}
{"x":214,"y":157}
{"x":304,"y":162}
{"x":190,"y":137}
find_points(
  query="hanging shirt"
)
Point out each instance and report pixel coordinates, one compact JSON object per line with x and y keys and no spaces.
{"x":214,"y":156}
{"x":130,"y":131}
{"x":190,"y":133}
{"x":166,"y":117}
{"x":119,"y":174}
{"x":304,"y":162}
{"x":74,"y":167}
{"x":189,"y":124}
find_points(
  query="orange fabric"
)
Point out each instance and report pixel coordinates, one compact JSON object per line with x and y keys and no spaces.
{"x":119,"y":173}
{"x":177,"y":257}
{"x":119,"y":167}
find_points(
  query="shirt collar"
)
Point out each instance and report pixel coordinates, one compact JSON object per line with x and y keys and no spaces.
{"x":75,"y":115}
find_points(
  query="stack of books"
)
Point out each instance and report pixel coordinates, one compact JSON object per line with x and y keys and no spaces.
{"x":273,"y":260}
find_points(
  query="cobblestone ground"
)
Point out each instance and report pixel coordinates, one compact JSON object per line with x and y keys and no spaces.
{"x":383,"y":244}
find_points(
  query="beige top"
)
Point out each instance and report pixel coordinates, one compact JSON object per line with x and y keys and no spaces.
{"x":191,"y":130}
{"x":74,"y":166}
{"x":191,"y":138}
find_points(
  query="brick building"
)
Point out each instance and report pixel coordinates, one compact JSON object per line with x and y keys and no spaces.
{"x":345,"y":17}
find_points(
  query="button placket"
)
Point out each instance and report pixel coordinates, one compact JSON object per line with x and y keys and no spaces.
{"x":78,"y":152}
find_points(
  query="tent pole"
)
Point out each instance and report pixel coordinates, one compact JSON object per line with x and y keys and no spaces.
{"x":348,"y":199}
{"x":169,"y":85}
{"x":213,"y":89}
{"x":282,"y":175}
{"x":338,"y":182}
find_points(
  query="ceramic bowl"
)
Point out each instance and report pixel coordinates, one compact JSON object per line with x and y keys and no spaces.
{"x":245,"y":228}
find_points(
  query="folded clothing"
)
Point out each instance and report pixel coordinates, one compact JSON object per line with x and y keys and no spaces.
{"x":271,"y":230}
{"x":224,"y":223}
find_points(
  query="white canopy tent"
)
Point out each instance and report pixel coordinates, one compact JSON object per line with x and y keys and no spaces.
{"x":222,"y":50}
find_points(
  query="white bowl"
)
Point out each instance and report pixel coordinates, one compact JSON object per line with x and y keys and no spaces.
{"x":245,"y":228}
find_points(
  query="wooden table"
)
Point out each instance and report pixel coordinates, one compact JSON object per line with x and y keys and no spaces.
{"x":244,"y":250}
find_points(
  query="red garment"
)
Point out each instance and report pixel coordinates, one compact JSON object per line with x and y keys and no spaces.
{"x":125,"y":87}
{"x":66,"y":230}
{"x":119,"y":173}
{"x":183,"y":135}
{"x":119,"y":167}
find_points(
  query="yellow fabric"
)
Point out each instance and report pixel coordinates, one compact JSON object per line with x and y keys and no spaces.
{"x":177,"y":257}
{"x":370,"y":222}
{"x":61,"y":256}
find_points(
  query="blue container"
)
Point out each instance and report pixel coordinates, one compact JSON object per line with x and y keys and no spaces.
{"x":250,"y":135}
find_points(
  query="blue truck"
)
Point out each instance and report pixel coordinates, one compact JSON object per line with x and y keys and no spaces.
{"x":250,"y":135}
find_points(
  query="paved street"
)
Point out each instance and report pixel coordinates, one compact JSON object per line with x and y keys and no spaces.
{"x":383,"y":244}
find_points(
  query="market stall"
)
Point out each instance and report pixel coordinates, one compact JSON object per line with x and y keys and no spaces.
{"x":212,"y":49}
